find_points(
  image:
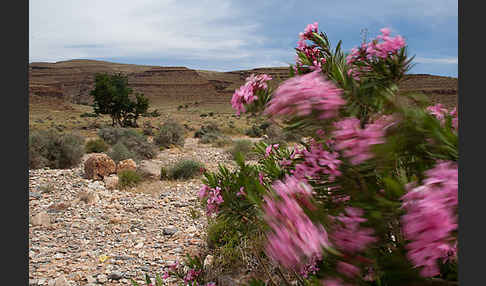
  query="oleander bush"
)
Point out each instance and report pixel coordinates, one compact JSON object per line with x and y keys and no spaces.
{"x":369,"y":198}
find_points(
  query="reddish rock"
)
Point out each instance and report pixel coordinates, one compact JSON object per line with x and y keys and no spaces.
{"x":99,"y":166}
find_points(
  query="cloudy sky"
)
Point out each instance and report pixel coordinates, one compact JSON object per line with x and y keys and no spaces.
{"x":228,"y":35}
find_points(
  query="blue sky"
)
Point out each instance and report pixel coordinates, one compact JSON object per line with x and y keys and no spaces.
{"x":228,"y":35}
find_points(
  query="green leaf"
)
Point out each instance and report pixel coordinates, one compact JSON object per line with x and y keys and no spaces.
{"x":147,"y":279}
{"x":133,"y":282}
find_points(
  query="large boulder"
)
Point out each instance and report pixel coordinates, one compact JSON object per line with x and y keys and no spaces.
{"x":127,"y":164}
{"x":99,"y":166}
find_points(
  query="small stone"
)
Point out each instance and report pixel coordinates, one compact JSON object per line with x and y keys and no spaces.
{"x":169,"y":230}
{"x":102,"y":278}
{"x":111,"y":182}
{"x":35,"y":195}
{"x":61,"y":281}
{"x":41,"y":281}
{"x":115,"y":276}
{"x":88,"y":197}
{"x":91,"y":279}
{"x":208,"y":262}
{"x":41,"y":219}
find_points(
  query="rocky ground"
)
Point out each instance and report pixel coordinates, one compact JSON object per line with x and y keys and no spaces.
{"x":81,"y":233}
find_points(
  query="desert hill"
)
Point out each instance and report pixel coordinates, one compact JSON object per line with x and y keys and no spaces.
{"x":72,"y":80}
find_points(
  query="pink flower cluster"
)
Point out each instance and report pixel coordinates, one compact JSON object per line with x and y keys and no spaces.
{"x":348,"y":235}
{"x":191,"y":275}
{"x":355,"y":141}
{"x":246,"y":93}
{"x":214,"y":198}
{"x":294,"y":239}
{"x":318,"y":161}
{"x":441,"y":112}
{"x":307,"y":34}
{"x":310,"y":268}
{"x":431,"y":217}
{"x":381,"y":47}
{"x":269,"y":149}
{"x":302,"y":95}
{"x":334,"y":282}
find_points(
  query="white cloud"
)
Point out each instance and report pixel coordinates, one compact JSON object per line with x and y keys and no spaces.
{"x":422,"y":60}
{"x":62,"y":30}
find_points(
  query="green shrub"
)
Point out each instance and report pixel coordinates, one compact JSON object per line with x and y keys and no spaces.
{"x":222,"y":141}
{"x":120,"y":152}
{"x":154,"y":113}
{"x":171,"y":133}
{"x":96,"y":146}
{"x":88,"y":114}
{"x":185,"y":169}
{"x":254,"y":131}
{"x":277,"y":135}
{"x":245,"y":147}
{"x":54,"y":150}
{"x":135,"y":142}
{"x":164,"y":174}
{"x":210,"y":127}
{"x":128,"y":178}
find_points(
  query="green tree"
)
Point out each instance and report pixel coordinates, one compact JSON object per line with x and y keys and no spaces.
{"x":112,"y":96}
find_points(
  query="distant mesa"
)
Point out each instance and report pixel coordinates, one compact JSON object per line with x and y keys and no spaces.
{"x":73,"y":79}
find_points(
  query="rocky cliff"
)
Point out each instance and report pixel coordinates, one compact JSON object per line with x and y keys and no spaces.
{"x":72,"y":80}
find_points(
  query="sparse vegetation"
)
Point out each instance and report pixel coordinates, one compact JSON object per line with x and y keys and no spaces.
{"x":244,"y":147}
{"x":96,"y":146}
{"x":135,"y":143}
{"x":171,"y":133}
{"x":185,"y":169}
{"x":254,"y":131}
{"x":120,"y":152}
{"x":128,"y":178}
{"x":54,"y":150}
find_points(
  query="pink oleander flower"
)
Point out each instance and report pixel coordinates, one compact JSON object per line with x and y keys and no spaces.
{"x":356,"y":142}
{"x":347,"y":269}
{"x":203,"y":192}
{"x":431,"y":217}
{"x":241,"y":192}
{"x":348,"y":235}
{"x":293,"y":186}
{"x":334,"y":282}
{"x":269,"y":149}
{"x":191,"y":275}
{"x":318,"y":161}
{"x":310,"y":268}
{"x":214,"y":200}
{"x":311,"y":28}
{"x":382,"y":47}
{"x":455,"y":120}
{"x":302,"y":95}
{"x":174,"y":266}
{"x":260,"y":178}
{"x":246,"y":93}
{"x":165,"y":275}
{"x":294,"y":239}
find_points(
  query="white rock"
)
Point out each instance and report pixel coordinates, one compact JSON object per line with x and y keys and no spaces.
{"x":42,"y":219}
